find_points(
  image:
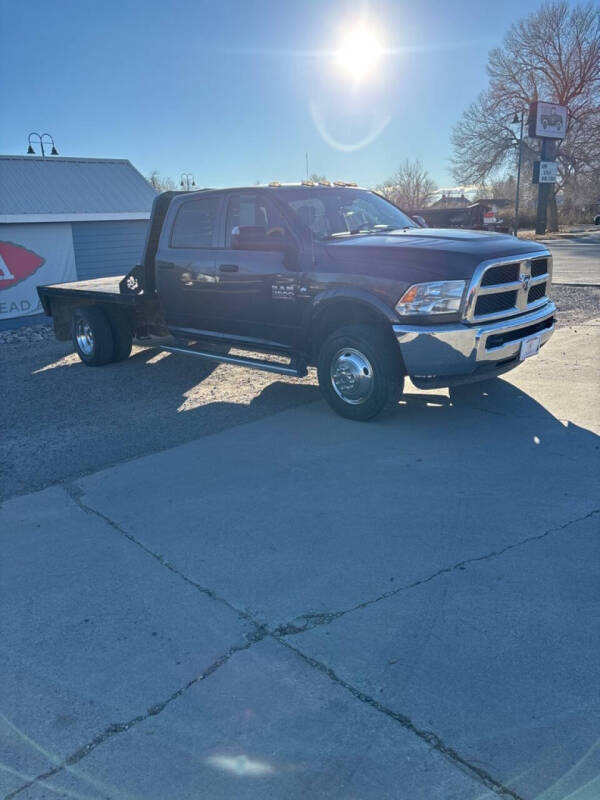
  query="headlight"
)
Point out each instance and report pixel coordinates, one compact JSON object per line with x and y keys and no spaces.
{"x":439,"y":297}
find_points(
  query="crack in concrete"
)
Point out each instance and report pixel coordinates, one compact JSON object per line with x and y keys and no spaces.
{"x":76,"y":494}
{"x":306,"y":622}
{"x":260,"y":632}
{"x":429,"y":737}
{"x":115,"y":728}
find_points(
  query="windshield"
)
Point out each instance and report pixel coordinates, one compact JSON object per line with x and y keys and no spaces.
{"x":331,"y":212}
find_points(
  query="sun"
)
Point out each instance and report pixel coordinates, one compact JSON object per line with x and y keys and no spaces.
{"x":359,"y":53}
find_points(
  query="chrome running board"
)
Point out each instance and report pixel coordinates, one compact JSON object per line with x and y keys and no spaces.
{"x":295,"y":369}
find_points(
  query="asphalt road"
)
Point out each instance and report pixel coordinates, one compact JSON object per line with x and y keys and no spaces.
{"x":576,"y":260}
{"x":290,"y":605}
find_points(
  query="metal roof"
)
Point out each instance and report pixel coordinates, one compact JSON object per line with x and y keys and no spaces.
{"x":73,"y":188}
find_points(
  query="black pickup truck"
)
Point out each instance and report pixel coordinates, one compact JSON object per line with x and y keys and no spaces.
{"x":328,"y":275}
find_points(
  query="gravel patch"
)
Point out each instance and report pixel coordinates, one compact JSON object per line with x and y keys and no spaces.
{"x":576,"y":304}
{"x":34,"y":333}
{"x":62,"y":419}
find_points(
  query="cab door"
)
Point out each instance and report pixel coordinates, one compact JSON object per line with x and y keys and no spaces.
{"x":186,"y":261}
{"x":257,"y":286}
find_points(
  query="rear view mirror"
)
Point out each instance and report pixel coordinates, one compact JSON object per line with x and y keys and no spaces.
{"x":420,"y":221}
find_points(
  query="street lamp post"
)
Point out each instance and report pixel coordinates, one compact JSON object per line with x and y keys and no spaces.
{"x":31,"y":151}
{"x":187,"y":181}
{"x":515,"y":122}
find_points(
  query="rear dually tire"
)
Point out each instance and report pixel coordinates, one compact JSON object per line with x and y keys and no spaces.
{"x":122,"y":333}
{"x":92,"y":336}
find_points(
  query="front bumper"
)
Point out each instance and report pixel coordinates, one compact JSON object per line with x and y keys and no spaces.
{"x":448,"y":355}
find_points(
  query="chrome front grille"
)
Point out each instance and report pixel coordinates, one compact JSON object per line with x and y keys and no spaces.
{"x":502,"y":289}
{"x":505,"y":273}
{"x":493,"y":303}
{"x":539,"y":267}
{"x":536,"y":293}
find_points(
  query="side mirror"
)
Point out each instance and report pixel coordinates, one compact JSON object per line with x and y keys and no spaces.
{"x":420,"y":221}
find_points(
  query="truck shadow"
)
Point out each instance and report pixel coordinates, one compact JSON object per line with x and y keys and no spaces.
{"x":84,"y":419}
{"x":493,"y":414}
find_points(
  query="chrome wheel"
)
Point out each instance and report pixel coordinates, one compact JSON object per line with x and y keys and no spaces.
{"x":85,"y":337}
{"x":352,"y":376}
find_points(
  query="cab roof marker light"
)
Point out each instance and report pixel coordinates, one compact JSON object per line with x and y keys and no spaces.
{"x":308,"y":183}
{"x":324,"y":183}
{"x":339,"y":183}
{"x":351,"y":184}
{"x":275,"y":183}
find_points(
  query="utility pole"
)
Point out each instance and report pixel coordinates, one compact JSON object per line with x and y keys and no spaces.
{"x":548,"y":154}
{"x":548,"y":122}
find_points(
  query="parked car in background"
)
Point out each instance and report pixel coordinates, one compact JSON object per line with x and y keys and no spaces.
{"x":471,"y":217}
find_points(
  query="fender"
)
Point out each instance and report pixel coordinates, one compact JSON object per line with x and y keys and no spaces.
{"x":325,"y":300}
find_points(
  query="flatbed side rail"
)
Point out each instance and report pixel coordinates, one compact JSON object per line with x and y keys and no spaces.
{"x":82,"y":294}
{"x":59,"y":301}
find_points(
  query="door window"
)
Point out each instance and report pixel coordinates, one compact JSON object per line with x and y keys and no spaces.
{"x":253,"y":212}
{"x":195,"y":223}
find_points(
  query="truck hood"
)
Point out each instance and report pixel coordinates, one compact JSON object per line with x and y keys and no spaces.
{"x":421,"y":254}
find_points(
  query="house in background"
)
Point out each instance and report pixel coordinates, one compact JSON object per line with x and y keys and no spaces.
{"x":65,"y":219}
{"x":452,"y":201}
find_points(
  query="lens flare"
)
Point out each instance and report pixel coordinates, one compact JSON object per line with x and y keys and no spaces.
{"x":359,"y":53}
{"x":377,"y":125}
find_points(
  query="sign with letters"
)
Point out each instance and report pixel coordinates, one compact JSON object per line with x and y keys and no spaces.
{"x":545,"y":171}
{"x":547,"y":120}
{"x":32,"y":255}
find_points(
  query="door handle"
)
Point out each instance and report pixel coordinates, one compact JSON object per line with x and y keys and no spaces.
{"x":229,"y":268}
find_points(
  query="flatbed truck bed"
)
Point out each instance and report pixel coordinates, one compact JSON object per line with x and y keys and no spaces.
{"x":105,"y":290}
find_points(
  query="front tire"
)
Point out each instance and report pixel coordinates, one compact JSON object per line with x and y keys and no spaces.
{"x":92,"y":336}
{"x":359,"y":372}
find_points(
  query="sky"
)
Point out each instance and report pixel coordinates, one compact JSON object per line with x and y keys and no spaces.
{"x":238,"y":91}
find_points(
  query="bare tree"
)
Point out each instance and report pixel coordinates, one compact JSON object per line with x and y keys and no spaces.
{"x":410,"y":187}
{"x":552,"y":55}
{"x":159,"y":182}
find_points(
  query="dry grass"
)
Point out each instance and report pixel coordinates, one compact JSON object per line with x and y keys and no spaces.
{"x":563,"y":230}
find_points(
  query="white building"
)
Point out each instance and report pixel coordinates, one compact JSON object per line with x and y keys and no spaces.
{"x":64,"y":219}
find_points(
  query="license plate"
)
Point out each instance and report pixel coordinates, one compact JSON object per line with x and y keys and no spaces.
{"x":530,"y":347}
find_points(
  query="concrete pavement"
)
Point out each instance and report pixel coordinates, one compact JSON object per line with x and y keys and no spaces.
{"x":306,"y":607}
